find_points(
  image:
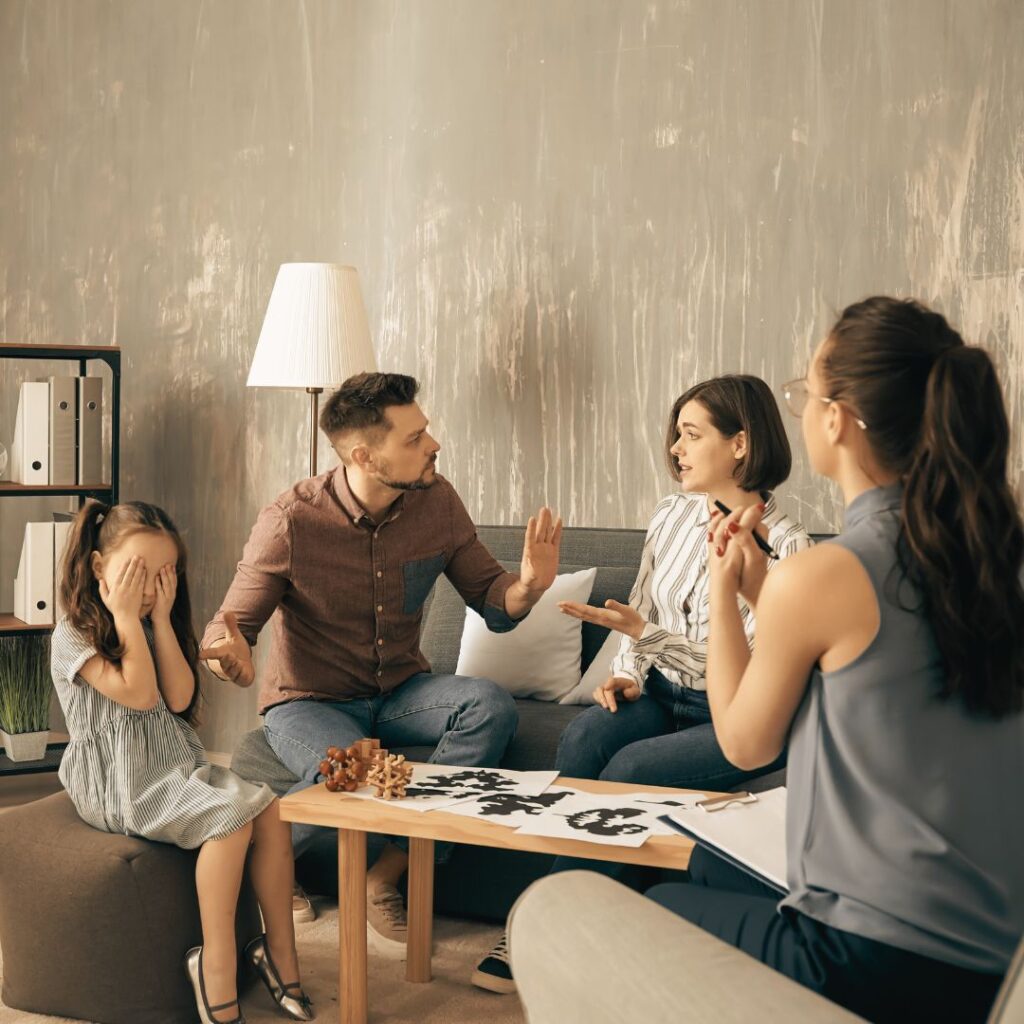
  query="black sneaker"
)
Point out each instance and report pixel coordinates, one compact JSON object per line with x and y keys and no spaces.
{"x":493,"y":972}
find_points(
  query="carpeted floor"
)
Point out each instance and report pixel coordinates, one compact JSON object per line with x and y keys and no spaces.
{"x":448,"y":999}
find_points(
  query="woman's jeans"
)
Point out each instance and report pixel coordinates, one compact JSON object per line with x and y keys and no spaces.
{"x":665,"y":738}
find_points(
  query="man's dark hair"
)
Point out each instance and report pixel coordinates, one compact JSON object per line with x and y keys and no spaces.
{"x":360,"y":403}
{"x":740,"y":402}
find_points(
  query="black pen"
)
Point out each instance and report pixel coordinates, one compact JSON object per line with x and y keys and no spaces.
{"x":762,"y":544}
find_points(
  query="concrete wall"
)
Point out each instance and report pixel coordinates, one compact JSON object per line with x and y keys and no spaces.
{"x":563,"y":211}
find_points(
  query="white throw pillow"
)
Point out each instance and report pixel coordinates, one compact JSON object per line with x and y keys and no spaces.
{"x":599,"y":669}
{"x":540,"y":658}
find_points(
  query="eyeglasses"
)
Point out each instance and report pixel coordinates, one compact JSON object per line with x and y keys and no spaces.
{"x":797,"y":393}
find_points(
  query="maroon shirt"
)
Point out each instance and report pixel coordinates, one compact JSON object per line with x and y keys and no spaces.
{"x":345,"y":595}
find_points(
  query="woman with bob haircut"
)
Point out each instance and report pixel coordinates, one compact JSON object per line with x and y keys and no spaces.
{"x":652,"y":725}
{"x":726,"y":443}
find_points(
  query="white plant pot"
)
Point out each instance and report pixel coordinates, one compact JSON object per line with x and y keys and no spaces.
{"x":25,"y":746}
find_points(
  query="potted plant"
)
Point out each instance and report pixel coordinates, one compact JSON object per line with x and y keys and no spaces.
{"x":25,"y":689}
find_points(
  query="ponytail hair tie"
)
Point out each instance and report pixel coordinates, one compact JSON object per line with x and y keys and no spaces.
{"x":103,"y":512}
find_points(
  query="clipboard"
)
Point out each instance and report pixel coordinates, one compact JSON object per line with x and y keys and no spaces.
{"x":727,"y":857}
{"x":746,"y":832}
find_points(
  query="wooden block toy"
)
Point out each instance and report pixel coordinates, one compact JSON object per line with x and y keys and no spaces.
{"x":389,"y":776}
{"x":365,"y":762}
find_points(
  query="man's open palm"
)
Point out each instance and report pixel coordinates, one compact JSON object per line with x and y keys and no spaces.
{"x":540,"y":551}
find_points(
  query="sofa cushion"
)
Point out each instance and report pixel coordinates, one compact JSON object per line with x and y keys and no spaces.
{"x":443,"y":621}
{"x":599,"y":670}
{"x":540,"y":658}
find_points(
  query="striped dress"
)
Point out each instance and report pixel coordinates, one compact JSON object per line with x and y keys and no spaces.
{"x":141,"y":773}
{"x":672,"y":590}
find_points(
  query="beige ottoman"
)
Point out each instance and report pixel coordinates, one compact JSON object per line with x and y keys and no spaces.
{"x":94,"y":925}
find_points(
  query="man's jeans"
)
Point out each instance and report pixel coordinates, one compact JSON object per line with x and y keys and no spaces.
{"x":471,"y":721}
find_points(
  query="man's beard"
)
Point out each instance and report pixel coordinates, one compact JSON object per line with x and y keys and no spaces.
{"x":419,"y":484}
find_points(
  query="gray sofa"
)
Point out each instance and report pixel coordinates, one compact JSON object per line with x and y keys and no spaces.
{"x":478,"y":882}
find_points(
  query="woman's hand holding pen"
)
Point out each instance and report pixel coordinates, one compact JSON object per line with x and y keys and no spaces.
{"x":734,"y":559}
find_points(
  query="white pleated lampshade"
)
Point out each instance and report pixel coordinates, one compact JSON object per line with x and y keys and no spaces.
{"x":315,"y":333}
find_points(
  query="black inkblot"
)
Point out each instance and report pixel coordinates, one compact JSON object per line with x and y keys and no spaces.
{"x":480,"y":780}
{"x":504,"y":804}
{"x":606,"y":821}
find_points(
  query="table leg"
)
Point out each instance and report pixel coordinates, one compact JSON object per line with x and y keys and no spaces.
{"x":421,"y":909}
{"x":351,"y":926}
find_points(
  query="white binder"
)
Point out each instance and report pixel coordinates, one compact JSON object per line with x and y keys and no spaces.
{"x":63,"y":429}
{"x":33,"y":588}
{"x":61,"y":534}
{"x":19,"y":587}
{"x":30,"y":459}
{"x":90,"y":430}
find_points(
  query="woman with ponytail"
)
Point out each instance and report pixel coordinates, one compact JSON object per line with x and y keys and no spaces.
{"x":892,"y":658}
{"x":123,"y":660}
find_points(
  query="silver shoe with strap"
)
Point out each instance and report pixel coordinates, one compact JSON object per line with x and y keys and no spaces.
{"x":194,"y":969}
{"x":289,"y":997}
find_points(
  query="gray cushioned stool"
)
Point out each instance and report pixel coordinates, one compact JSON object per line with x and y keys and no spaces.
{"x":95,"y":925}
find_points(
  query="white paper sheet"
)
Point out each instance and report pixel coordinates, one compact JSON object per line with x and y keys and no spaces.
{"x":512,"y":809}
{"x":438,"y":787}
{"x":612,"y":821}
{"x":661,"y":803}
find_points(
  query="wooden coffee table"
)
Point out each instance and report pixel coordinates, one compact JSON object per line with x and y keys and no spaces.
{"x":354,"y":818}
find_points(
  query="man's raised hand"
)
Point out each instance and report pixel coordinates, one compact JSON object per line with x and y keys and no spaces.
{"x":540,"y":551}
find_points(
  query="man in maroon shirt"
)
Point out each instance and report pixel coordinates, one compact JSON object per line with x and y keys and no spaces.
{"x":341,"y":565}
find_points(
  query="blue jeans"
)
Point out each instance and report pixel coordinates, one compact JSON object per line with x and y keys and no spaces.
{"x":665,"y":738}
{"x":471,"y":721}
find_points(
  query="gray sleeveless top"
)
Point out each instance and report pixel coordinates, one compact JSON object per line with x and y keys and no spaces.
{"x":905,"y":819}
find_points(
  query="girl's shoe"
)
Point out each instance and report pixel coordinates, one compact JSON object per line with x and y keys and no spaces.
{"x":289,"y":997}
{"x":194,"y":968}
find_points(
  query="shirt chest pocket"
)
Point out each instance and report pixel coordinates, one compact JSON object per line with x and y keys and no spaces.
{"x":418,"y":578}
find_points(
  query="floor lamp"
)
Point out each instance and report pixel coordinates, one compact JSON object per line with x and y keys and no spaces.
{"x":314,"y":336}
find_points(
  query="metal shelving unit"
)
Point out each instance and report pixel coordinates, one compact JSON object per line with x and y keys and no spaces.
{"x":9,"y":625}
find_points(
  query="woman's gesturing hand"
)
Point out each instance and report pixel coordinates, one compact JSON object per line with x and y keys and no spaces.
{"x":614,"y":615}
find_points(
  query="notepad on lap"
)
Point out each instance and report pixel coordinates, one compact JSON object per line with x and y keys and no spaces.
{"x":751,"y":836}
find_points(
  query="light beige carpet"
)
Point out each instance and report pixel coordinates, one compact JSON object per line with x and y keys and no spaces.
{"x":448,"y":999}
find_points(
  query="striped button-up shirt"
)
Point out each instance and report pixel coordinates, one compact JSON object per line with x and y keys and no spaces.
{"x":672,"y":586}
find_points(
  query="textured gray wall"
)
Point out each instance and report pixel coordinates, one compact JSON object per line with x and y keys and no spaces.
{"x":563,"y":211}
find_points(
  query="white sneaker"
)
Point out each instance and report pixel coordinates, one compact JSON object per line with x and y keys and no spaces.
{"x":302,"y":909}
{"x":386,"y":925}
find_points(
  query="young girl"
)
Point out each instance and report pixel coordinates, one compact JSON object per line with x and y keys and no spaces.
{"x":893,"y":660}
{"x":124,"y":666}
{"x":725,"y":442}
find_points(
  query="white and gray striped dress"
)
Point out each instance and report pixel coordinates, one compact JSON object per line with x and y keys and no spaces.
{"x":141,"y":773}
{"x":672,"y":589}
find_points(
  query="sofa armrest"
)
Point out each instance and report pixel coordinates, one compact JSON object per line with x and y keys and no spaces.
{"x":585,"y":948}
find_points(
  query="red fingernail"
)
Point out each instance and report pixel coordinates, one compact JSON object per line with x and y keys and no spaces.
{"x":733,"y":528}
{"x":711,"y":536}
{"x":761,"y":507}
{"x":719,"y":551}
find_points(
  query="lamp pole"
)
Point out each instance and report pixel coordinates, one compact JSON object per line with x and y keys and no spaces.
{"x":314,"y":401}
